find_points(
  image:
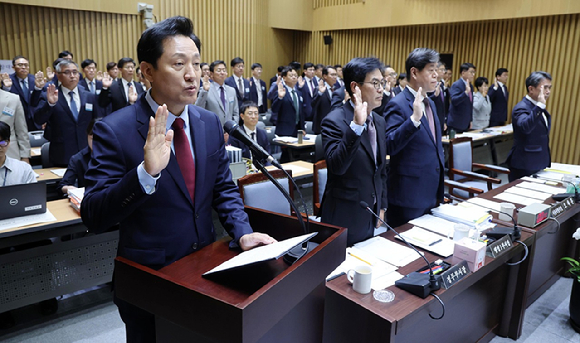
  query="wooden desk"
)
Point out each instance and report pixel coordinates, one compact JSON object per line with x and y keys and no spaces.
{"x":482,"y":302}
{"x":42,"y":269}
{"x":298,"y":151}
{"x":46,"y":174}
{"x":492,"y":148}
{"x":300,"y":169}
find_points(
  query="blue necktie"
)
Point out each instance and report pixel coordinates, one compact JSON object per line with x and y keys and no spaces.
{"x":73,"y":105}
{"x":25,"y":91}
{"x":92,"y":87}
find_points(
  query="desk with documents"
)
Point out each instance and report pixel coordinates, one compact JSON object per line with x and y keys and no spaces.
{"x":491,"y":301}
{"x":491,"y":147}
{"x":65,"y":266}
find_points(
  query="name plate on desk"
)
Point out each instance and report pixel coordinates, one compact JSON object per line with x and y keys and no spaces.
{"x":499,"y":247}
{"x":561,"y":207}
{"x":452,"y":275}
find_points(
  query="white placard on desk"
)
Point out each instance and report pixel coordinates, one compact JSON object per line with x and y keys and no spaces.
{"x":35,"y":151}
{"x":11,"y":223}
{"x":58,"y":172}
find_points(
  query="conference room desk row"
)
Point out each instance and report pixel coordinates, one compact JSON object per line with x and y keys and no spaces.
{"x":46,"y":260}
{"x":490,"y":146}
{"x":488,"y":302}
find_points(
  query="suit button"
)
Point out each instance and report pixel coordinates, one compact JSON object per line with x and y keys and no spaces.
{"x":196,"y":215}
{"x":437,"y":169}
{"x":194,"y":246}
{"x":373,"y":195}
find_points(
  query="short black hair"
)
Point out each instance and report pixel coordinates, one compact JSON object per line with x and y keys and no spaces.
{"x":203,"y":64}
{"x":150,"y":46}
{"x":325,"y":70}
{"x":111,"y":65}
{"x":256,"y":65}
{"x":319,"y":66}
{"x":500,"y":71}
{"x":402,"y":76}
{"x":87,"y":63}
{"x":124,"y":61}
{"x":480,"y":81}
{"x":357,"y":69}
{"x":296,"y":65}
{"x":57,"y":61}
{"x":286,"y":70}
{"x":419,"y":58}
{"x":4,"y":131}
{"x":216,"y":63}
{"x":247,"y":104}
{"x":280,"y":68}
{"x":308,"y":65}
{"x":17,"y":57}
{"x":535,"y":78}
{"x":235,"y":61}
{"x":337,"y":66}
{"x":465,"y":67}
{"x":65,"y":53}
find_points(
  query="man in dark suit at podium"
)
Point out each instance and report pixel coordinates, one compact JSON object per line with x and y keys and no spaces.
{"x":415,"y":180}
{"x":159,"y":167}
{"x":532,"y":122}
{"x":355,"y":152}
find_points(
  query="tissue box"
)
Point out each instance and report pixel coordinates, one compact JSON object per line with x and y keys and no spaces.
{"x":471,"y":251}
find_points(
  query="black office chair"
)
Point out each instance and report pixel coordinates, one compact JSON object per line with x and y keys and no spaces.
{"x":44,"y":155}
{"x":36,"y":138}
{"x":318,"y":149}
{"x":308,"y":126}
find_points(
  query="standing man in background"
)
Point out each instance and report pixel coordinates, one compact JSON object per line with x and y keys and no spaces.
{"x":499,"y":96}
{"x":355,"y":152}
{"x":237,"y":81}
{"x":258,"y":91}
{"x":216,"y":96}
{"x":532,"y":122}
{"x":415,"y":182}
{"x":461,"y":100}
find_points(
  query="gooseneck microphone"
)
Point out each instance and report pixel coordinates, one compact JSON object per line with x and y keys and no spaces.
{"x":497,"y":232}
{"x":415,"y":283}
{"x":237,"y":132}
{"x":561,"y":196}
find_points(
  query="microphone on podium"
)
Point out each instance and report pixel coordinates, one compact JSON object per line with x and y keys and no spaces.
{"x":236,"y":131}
{"x":415,"y":283}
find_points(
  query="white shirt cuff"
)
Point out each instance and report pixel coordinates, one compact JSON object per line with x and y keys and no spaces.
{"x":540,"y":105}
{"x":416,"y":123}
{"x":146,"y":181}
{"x":358,"y":129}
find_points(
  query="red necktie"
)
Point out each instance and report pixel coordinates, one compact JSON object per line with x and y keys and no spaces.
{"x":184,"y":156}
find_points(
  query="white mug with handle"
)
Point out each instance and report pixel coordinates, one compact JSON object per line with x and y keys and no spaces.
{"x":360,"y":277}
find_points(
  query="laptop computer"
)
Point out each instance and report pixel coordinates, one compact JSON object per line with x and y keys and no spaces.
{"x":22,"y":200}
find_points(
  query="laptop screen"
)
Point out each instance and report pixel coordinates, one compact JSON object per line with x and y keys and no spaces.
{"x":22,"y":200}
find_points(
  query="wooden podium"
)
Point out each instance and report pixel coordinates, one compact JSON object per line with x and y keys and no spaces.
{"x":276,"y":303}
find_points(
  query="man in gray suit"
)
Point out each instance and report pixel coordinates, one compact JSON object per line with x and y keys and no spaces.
{"x":13,"y":115}
{"x":218,"y":97}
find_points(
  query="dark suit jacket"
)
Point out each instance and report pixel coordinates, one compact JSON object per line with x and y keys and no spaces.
{"x":321,"y":105}
{"x":230,"y":81}
{"x":116,"y":95}
{"x":531,"y":149}
{"x":66,"y":135}
{"x":499,"y":103}
{"x":33,"y":99}
{"x":353,"y":174}
{"x":305,"y":91}
{"x":262,"y":141}
{"x":273,"y":80}
{"x":77,"y":167}
{"x":254,"y":95}
{"x":286,"y":115}
{"x":98,"y":84}
{"x":397,"y":90}
{"x":440,"y":105}
{"x":337,"y":98}
{"x":460,"y":107}
{"x":158,"y":229}
{"x":417,"y":160}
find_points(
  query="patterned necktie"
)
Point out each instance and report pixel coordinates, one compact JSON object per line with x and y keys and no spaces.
{"x":312,"y":87}
{"x":92,"y":86}
{"x":25,"y":91}
{"x":184,"y":156}
{"x":430,"y":119}
{"x":73,"y":105}
{"x":372,"y":136}
{"x":295,"y":101}
{"x":223,"y":96}
{"x":240,"y":87}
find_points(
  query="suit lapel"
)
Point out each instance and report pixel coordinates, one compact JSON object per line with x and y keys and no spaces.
{"x":217,"y":95}
{"x":197,"y":132}
{"x":365,"y":138}
{"x":123,"y":94}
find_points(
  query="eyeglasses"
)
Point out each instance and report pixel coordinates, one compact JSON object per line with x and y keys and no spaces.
{"x":70,"y":72}
{"x":377,"y":84}
{"x":4,"y":143}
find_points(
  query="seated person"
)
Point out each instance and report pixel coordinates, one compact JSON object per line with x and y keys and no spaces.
{"x":12,"y":171}
{"x":79,"y":163}
{"x":249,"y":114}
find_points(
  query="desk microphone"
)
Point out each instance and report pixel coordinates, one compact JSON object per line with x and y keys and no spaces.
{"x":237,"y":132}
{"x":497,"y":232}
{"x":561,"y":196}
{"x":415,"y":283}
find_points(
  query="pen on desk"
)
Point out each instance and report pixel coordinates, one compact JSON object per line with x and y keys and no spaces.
{"x":334,"y":276}
{"x":437,"y":241}
{"x":358,"y":258}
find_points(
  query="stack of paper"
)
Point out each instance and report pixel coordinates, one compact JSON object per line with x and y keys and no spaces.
{"x":286,"y":139}
{"x":75,"y":196}
{"x":528,"y":193}
{"x":429,"y":241}
{"x":390,"y":252}
{"x":438,"y":225}
{"x":463,"y":213}
{"x":517,"y":199}
{"x":541,"y":187}
{"x":494,"y":206}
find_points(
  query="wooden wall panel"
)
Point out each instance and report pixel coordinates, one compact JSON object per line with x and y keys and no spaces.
{"x":328,"y":3}
{"x":549,"y":43}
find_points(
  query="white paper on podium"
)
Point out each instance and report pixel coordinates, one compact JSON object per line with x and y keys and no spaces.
{"x":262,"y":253}
{"x":438,"y":225}
{"x":10,"y":223}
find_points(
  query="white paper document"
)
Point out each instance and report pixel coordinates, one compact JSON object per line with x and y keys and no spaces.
{"x":286,"y":139}
{"x":262,"y":253}
{"x":438,"y":225}
{"x":35,"y":151}
{"x":429,"y":241}
{"x":10,"y":223}
{"x":463,"y":213}
{"x":58,"y":172}
{"x":517,"y":199}
{"x":388,"y":251}
{"x":540,"y":187}
{"x":494,"y":206}
{"x":528,"y":193}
